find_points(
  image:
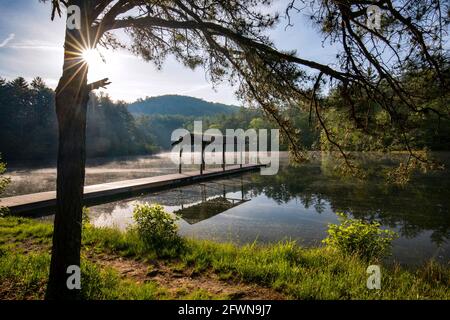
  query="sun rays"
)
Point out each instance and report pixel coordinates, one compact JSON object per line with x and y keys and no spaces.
{"x":96,"y":64}
{"x":81,"y":55}
{"x":90,"y":57}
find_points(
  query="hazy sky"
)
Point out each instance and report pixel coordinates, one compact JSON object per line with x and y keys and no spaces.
{"x":31,"y":45}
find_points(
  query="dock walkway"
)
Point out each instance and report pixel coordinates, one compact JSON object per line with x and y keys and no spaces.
{"x":96,"y":193}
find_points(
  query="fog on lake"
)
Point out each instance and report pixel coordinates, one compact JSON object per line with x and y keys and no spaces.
{"x":298,"y":203}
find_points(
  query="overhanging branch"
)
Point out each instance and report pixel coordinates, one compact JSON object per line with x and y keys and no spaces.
{"x":215,"y":29}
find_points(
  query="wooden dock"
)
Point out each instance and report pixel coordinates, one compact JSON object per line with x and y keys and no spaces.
{"x":46,"y":201}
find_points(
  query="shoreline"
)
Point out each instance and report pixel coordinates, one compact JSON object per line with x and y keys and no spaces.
{"x":277,"y":271}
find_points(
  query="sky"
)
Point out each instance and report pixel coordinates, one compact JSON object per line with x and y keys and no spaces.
{"x":32,"y":45}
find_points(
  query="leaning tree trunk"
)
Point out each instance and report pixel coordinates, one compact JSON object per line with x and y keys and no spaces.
{"x":71,"y":104}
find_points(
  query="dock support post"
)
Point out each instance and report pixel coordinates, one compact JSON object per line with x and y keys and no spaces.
{"x":179,"y":165}
{"x":223,"y":153}
{"x":241,"y":146}
{"x":202,"y":165}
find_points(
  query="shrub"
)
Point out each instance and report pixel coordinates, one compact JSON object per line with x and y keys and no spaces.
{"x":85,"y":220}
{"x":3,"y":184}
{"x":357,"y":237}
{"x":156,"y":228}
{"x":3,"y":181}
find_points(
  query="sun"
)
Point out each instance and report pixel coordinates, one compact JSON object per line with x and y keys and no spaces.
{"x":90,"y":57}
{"x":97,"y":67}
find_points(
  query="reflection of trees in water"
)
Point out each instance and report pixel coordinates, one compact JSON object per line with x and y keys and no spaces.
{"x":421,"y":205}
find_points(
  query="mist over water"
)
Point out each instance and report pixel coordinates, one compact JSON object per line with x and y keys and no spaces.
{"x":297,"y":203}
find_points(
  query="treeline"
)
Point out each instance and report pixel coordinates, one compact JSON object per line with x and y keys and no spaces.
{"x":365,"y":126}
{"x":179,"y":105}
{"x":28,"y":125}
{"x":161,"y":126}
{"x":256,"y":119}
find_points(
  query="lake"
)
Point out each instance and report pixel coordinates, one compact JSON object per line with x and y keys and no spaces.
{"x":298,"y":203}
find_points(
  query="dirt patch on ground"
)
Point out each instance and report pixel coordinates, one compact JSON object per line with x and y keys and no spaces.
{"x":181,"y":282}
{"x":25,"y":246}
{"x":10,"y":290}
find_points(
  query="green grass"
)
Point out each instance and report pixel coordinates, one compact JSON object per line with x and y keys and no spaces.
{"x":26,"y":277}
{"x":23,"y":275}
{"x":17,"y":230}
{"x":299,"y":273}
{"x":319,"y":273}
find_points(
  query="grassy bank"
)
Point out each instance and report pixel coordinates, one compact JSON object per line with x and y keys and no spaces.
{"x":292,"y":271}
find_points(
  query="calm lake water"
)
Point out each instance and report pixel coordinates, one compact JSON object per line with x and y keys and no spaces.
{"x":298,"y":203}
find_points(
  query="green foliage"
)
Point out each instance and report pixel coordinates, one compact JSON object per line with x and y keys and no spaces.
{"x":3,"y":184}
{"x":106,"y":284}
{"x":300,"y":273}
{"x":27,"y":119}
{"x":156,"y":228}
{"x":16,"y":229}
{"x":369,"y":127}
{"x":25,"y":277}
{"x":179,"y":105}
{"x":3,"y":181}
{"x":111,"y":129}
{"x":160,"y":127}
{"x":86,"y":221}
{"x":357,"y":237}
{"x":29,"y":126}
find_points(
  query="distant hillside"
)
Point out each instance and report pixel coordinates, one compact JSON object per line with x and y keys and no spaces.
{"x":179,"y":105}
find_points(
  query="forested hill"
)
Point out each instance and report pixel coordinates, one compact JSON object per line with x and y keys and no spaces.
{"x":179,"y":105}
{"x":29,"y":131}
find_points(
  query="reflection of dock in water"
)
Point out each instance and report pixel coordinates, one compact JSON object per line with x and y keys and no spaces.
{"x":209,"y":207}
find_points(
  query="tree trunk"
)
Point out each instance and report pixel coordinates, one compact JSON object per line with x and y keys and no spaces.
{"x":71,"y":105}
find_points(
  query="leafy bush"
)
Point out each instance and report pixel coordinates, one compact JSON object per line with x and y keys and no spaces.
{"x":86,"y":221}
{"x":3,"y":184}
{"x":361,"y":238}
{"x":156,"y":228}
{"x":3,"y":181}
